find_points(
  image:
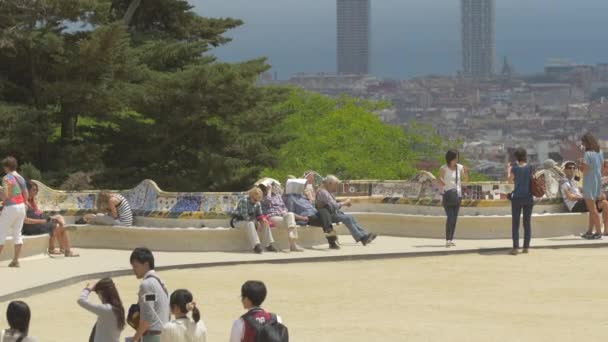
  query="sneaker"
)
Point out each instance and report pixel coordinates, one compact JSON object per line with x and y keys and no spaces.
{"x":271,"y":248}
{"x":14,"y":264}
{"x":525,"y":251}
{"x":514,"y":251}
{"x":373,"y":237}
{"x":587,"y":235}
{"x":452,"y":244}
{"x":447,"y":244}
{"x":597,"y":236}
{"x":258,"y":249}
{"x":367,"y":239}
{"x":333,"y":245}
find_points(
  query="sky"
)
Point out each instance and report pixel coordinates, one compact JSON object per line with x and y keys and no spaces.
{"x":410,"y":37}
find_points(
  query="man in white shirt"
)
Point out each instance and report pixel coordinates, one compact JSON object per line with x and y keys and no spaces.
{"x":575,"y":203}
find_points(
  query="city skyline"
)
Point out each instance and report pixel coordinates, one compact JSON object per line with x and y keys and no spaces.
{"x":410,"y":39}
{"x":353,"y":36}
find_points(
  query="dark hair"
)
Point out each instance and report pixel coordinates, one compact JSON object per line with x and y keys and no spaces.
{"x":450,"y":155}
{"x":143,"y":255}
{"x":18,"y":317}
{"x":29,"y":184}
{"x":255,"y":291}
{"x":181,"y":298}
{"x":520,"y":154}
{"x":10,"y":163}
{"x":590,"y":143}
{"x":106,"y":289}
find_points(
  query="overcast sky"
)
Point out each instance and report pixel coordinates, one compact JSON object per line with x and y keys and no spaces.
{"x":411,"y":37}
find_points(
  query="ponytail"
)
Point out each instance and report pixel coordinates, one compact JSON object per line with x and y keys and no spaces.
{"x":196,"y":314}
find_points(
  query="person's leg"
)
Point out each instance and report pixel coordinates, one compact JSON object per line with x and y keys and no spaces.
{"x":604,"y":206}
{"x":326,"y":220}
{"x":594,"y":215}
{"x":290,"y":220}
{"x":101,"y":219}
{"x":16,"y":226}
{"x":448,"y":221}
{"x":515,"y":217}
{"x":357,"y":233}
{"x":527,"y":225}
{"x":455,"y":221}
{"x":249,"y":228}
{"x":266,"y":234}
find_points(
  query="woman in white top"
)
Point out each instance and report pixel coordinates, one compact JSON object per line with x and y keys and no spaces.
{"x":18,"y":317}
{"x":110,"y":313}
{"x":451,"y":177}
{"x":184,"y":328}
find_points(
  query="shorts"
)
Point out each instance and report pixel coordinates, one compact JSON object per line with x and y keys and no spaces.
{"x":581,"y":207}
{"x":40,"y":229}
{"x":11,"y":223}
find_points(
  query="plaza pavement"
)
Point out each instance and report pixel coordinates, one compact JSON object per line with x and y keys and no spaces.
{"x":42,"y":273}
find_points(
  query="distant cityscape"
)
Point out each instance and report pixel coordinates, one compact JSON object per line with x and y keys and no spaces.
{"x":490,"y":112}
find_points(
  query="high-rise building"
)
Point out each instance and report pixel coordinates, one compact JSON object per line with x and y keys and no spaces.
{"x":353,"y":36}
{"x":478,"y":38}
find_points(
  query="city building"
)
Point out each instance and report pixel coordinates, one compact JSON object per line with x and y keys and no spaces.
{"x":354,"y":32}
{"x":478,"y":38}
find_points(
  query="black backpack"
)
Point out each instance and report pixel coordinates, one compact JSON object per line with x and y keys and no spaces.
{"x":271,"y":331}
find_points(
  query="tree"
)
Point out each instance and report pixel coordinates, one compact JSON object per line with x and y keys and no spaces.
{"x":343,"y":137}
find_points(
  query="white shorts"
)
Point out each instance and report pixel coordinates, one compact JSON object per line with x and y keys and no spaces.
{"x":11,"y":223}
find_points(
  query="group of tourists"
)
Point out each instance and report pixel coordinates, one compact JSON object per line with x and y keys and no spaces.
{"x":590,"y":198}
{"x":22,"y":216}
{"x":151,"y":316}
{"x":266,"y":206}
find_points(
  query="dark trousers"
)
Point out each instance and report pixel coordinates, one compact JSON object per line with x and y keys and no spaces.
{"x":321,"y":219}
{"x":517,"y":207}
{"x":450,"y":224}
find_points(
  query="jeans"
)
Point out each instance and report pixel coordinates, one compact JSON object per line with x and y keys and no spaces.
{"x":356,"y":231}
{"x":517,"y":206}
{"x":450,"y":224}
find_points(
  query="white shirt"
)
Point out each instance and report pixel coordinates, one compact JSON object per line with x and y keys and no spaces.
{"x":570,"y":185}
{"x":238,"y":329}
{"x":184,"y":330}
{"x":449,"y":177}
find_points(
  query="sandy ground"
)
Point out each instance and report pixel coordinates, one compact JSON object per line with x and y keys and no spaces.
{"x":549,"y":295}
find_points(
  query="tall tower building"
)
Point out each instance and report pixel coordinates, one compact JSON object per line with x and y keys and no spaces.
{"x":353,"y":36}
{"x":478,"y":38}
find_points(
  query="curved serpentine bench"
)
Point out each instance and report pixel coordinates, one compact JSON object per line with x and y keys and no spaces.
{"x":165,"y":220}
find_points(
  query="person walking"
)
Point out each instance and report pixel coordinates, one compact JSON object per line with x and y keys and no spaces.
{"x":184,"y":328}
{"x":110,"y":313}
{"x":15,"y":194}
{"x":522,"y":200}
{"x":591,"y":165}
{"x":451,"y":176}
{"x":153,"y":297}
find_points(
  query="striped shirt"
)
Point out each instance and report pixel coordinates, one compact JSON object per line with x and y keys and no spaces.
{"x":123,"y":209}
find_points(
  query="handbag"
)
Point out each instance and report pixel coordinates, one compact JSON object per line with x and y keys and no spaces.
{"x":450,"y":197}
{"x":537,"y":186}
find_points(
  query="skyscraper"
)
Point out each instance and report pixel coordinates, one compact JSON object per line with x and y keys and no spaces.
{"x":478,"y":38}
{"x":353,"y":36}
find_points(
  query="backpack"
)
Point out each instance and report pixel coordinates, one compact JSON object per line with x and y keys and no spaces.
{"x":271,"y":331}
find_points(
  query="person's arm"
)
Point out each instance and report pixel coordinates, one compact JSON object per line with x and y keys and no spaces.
{"x":34,"y":221}
{"x":7,"y":188}
{"x":441,"y":178}
{"x":465,"y":174}
{"x":568,"y":194}
{"x":83,"y":301}
{"x":584,"y":163}
{"x":113,"y":204}
{"x":328,"y":200}
{"x":236,"y":334}
{"x":141,"y":330}
{"x":146,"y":311}
{"x":510,"y":175}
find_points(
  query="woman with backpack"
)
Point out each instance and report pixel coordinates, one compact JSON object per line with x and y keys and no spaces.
{"x":451,"y":176}
{"x":110,"y":313}
{"x":184,"y":328}
{"x":591,"y":165}
{"x":522,"y":200}
{"x":18,"y":317}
